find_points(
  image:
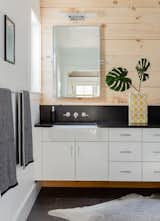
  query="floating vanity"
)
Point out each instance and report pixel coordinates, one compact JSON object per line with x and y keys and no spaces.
{"x":102,"y":154}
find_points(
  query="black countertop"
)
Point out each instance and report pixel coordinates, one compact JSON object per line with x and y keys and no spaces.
{"x":125,"y":125}
{"x":99,"y":124}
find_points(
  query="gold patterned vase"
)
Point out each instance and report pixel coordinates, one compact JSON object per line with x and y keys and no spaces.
{"x":138,"y":109}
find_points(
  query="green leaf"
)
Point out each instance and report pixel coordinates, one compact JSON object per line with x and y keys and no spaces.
{"x":142,"y":67}
{"x":117,"y":80}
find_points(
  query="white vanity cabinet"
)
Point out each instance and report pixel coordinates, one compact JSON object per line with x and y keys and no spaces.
{"x":72,"y":153}
{"x":97,"y":154}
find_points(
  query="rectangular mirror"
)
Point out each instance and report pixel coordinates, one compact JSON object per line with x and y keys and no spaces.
{"x":77,"y":61}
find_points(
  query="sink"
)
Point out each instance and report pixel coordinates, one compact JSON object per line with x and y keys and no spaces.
{"x":76,"y":124}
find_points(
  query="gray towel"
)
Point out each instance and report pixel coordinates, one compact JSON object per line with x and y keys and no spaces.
{"x":7,"y":143}
{"x":27,"y":142}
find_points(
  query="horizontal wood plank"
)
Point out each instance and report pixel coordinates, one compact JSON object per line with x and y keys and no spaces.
{"x":121,"y":31}
{"x":145,"y":3}
{"x":84,"y":184}
{"x":104,"y":15}
{"x":134,"y":31}
{"x":146,"y":48}
{"x":83,"y":3}
{"x":130,"y":61}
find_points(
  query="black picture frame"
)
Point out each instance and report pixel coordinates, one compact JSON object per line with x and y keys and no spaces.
{"x":9,"y":40}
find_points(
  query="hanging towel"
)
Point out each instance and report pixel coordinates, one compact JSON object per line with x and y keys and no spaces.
{"x":7,"y":143}
{"x":27,"y":142}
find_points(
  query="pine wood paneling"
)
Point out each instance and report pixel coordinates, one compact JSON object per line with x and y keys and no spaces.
{"x":128,"y":33}
{"x":82,"y":3}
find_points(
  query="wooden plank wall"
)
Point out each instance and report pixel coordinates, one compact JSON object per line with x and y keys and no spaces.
{"x":130,"y":30}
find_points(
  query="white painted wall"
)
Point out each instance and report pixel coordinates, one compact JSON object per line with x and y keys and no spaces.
{"x":17,"y":77}
{"x":35,"y":77}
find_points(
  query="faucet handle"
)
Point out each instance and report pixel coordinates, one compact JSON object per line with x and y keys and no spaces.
{"x":75,"y":115}
{"x":67,"y":114}
{"x":84,"y":114}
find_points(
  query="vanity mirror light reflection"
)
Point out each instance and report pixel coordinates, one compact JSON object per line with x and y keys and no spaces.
{"x":77,"y":61}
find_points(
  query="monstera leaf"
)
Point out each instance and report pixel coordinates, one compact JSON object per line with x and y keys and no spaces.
{"x":141,"y":68}
{"x":117,"y":80}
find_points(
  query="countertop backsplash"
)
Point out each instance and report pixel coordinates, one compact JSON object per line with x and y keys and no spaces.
{"x":102,"y":115}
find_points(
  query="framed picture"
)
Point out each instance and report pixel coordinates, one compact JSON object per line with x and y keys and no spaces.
{"x":9,"y":40}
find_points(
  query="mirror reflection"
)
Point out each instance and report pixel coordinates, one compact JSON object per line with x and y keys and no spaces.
{"x":77,"y":61}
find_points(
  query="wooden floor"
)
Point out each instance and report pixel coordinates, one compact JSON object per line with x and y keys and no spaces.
{"x":53,"y":198}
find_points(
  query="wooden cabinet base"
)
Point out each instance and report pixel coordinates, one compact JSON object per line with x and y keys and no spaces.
{"x":99,"y":184}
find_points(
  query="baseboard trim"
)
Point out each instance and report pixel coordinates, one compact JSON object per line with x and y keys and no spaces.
{"x":99,"y":184}
{"x":27,"y":204}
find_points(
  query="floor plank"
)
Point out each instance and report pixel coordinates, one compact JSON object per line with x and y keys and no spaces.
{"x":54,"y":198}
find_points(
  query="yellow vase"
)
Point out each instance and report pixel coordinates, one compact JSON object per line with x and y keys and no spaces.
{"x":138,"y":109}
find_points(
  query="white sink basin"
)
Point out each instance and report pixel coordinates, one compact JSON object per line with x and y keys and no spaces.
{"x":75,"y":126}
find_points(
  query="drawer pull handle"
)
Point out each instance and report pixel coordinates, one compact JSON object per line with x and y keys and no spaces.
{"x":125,"y":135}
{"x":78,"y":150}
{"x":125,"y":171}
{"x":157,"y":171}
{"x":126,"y":151}
{"x":156,"y":152}
{"x":71,"y":151}
{"x":157,"y":135}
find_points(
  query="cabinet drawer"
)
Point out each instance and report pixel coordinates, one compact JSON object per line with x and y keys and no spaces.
{"x":125,"y":171}
{"x":125,"y":134}
{"x":71,"y":133}
{"x":151,"y":134}
{"x":151,"y":152}
{"x":125,"y":151}
{"x":91,"y":134}
{"x":151,"y":172}
{"x":58,"y":134}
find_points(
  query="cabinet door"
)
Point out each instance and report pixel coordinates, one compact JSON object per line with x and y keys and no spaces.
{"x":58,"y":160}
{"x":91,"y":161}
